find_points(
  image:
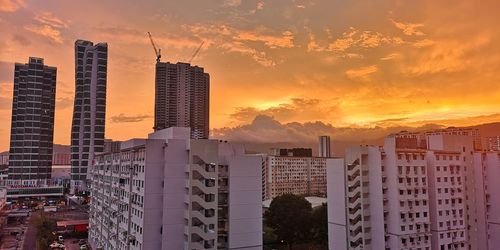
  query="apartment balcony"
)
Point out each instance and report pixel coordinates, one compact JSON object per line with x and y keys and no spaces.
{"x":355,"y":198}
{"x":352,"y":166}
{"x":204,"y":216}
{"x":353,"y":187}
{"x":203,"y":232}
{"x":354,"y":175}
{"x":355,"y":243}
{"x":355,"y":220}
{"x":205,"y":186}
{"x":198,"y":243}
{"x":204,"y":171}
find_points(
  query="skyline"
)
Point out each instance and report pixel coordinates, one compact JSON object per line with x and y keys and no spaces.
{"x":364,"y":60}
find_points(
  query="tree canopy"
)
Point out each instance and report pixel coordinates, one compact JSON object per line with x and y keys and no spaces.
{"x":290,"y":217}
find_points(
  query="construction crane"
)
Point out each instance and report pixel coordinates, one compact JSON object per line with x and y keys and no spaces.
{"x":157,"y":51}
{"x":196,"y":52}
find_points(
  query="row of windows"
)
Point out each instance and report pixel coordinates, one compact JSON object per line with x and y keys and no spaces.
{"x":447,"y":157}
{"x":449,"y":223}
{"x":452,"y":201}
{"x":414,"y":227}
{"x":448,"y":190}
{"x":452,"y":168}
{"x":413,"y":215}
{"x":414,"y":192}
{"x":414,"y":202}
{"x":409,"y":168}
{"x":452,"y":179}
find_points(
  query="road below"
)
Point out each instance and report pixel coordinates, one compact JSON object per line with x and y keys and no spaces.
{"x":29,"y":242}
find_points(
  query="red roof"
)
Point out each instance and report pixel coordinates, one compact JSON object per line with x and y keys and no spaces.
{"x":66,"y":223}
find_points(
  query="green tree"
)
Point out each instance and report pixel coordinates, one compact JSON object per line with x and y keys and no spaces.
{"x":290,"y":217}
{"x":45,"y":228}
{"x":319,"y":220}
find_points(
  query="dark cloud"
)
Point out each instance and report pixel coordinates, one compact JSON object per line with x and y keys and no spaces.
{"x":297,"y":109}
{"x":121,"y":118}
{"x":265,"y":130}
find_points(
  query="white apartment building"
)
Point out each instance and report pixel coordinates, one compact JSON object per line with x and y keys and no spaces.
{"x":399,"y":196}
{"x":365,"y":202}
{"x":493,"y":143}
{"x":446,"y":171}
{"x":172,"y":192}
{"x":324,"y":146}
{"x":295,"y":175}
{"x":460,"y":131}
{"x":488,"y":205}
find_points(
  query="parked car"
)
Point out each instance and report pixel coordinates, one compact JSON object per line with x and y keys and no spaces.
{"x":56,"y":245}
{"x":83,"y":247}
{"x":60,"y":239}
{"x":82,"y":242}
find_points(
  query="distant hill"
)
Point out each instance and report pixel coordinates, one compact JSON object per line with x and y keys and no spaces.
{"x":58,"y":148}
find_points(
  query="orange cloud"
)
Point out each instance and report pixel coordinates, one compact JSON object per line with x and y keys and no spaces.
{"x":446,"y":56}
{"x":353,"y":38}
{"x":259,"y":56}
{"x":260,"y":5}
{"x":47,"y":31}
{"x":391,"y":56}
{"x":48,"y":18}
{"x":409,"y":29}
{"x":423,"y":43}
{"x":11,"y":5}
{"x":283,"y":41}
{"x":362,"y":73}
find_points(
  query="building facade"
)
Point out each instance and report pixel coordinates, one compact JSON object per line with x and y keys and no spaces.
{"x":493,"y":143}
{"x":324,"y":147}
{"x":182,"y":94}
{"x":489,"y":204}
{"x":400,"y":196}
{"x":111,"y":146}
{"x":297,"y":152}
{"x":463,"y":131}
{"x":295,"y":175}
{"x":446,"y":176}
{"x":61,"y":155}
{"x":32,"y":129}
{"x":171,"y":192}
{"x":89,"y":112}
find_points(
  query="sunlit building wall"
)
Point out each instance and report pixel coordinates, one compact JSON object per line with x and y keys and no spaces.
{"x":171,"y":192}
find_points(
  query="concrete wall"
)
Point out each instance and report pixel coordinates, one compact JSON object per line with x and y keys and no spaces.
{"x":245,"y":204}
{"x":337,"y":228}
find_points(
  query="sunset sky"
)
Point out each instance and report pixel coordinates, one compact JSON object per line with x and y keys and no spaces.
{"x":356,"y":64}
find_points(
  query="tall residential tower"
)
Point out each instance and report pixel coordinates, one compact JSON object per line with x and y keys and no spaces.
{"x":182,"y":98}
{"x":324,"y":146}
{"x":87,"y":131}
{"x":32,"y":130}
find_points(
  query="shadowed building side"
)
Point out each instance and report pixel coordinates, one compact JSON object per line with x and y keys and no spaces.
{"x":89,"y":113}
{"x":182,"y":98}
{"x":32,"y":130}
